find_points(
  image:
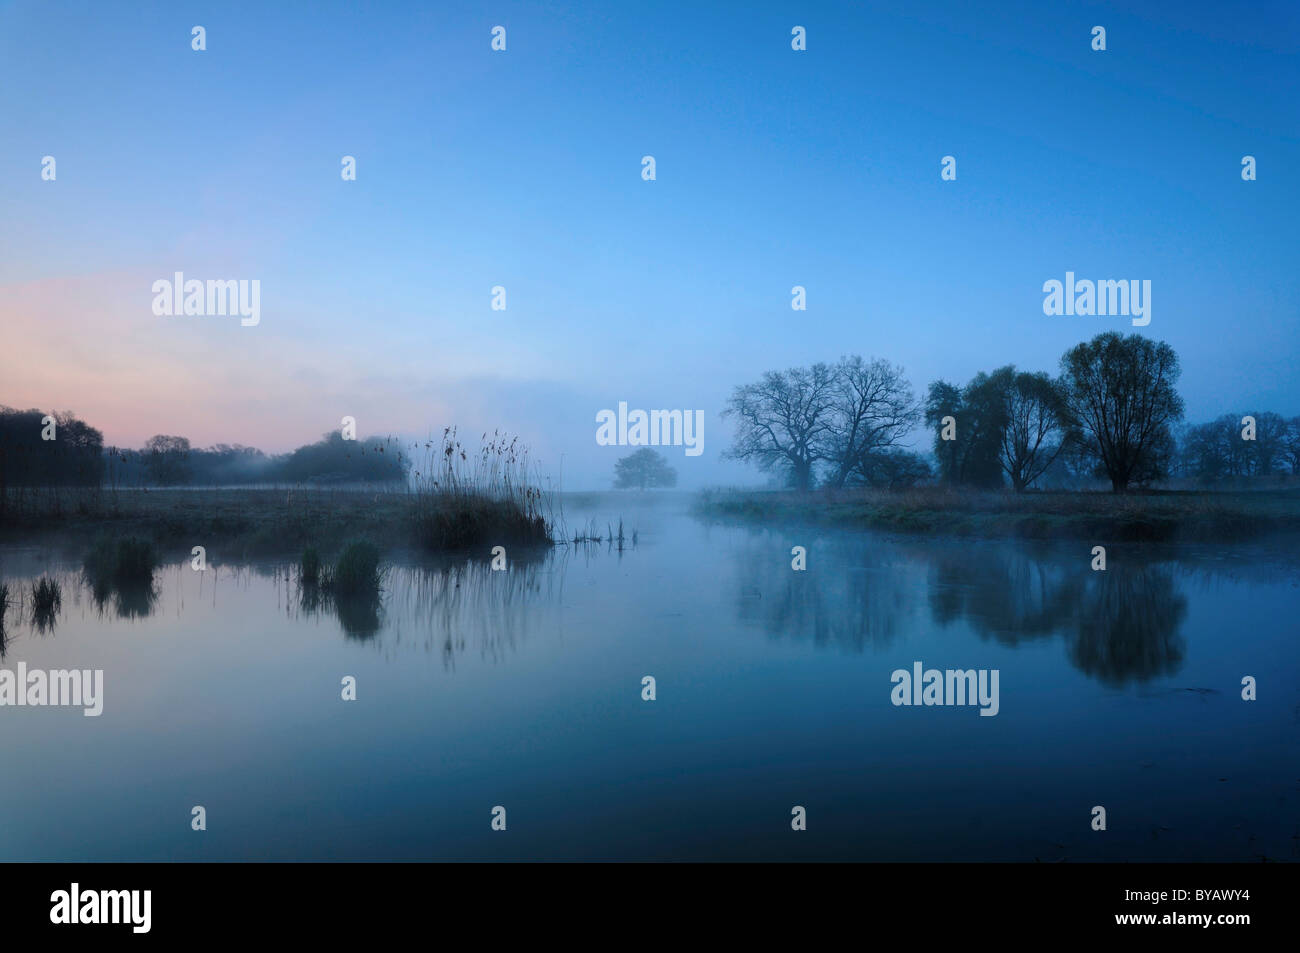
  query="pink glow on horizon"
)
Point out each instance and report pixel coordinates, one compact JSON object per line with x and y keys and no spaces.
{"x":91,"y":345}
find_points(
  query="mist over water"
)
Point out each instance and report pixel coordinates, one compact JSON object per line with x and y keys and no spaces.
{"x":522,"y":688}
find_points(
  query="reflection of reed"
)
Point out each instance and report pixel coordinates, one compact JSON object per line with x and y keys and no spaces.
{"x":453,"y":604}
{"x":38,"y":605}
{"x":129,"y":600}
{"x":456,"y":605}
{"x":47,"y":601}
{"x":360,"y":614}
{"x":4,"y":609}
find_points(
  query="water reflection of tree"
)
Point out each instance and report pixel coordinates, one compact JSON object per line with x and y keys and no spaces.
{"x":1119,"y":625}
{"x":1128,"y":628}
{"x":850,"y":597}
{"x":1002,"y":592}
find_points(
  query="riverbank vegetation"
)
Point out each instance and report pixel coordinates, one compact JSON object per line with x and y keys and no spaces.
{"x":1173,"y":516}
{"x":457,"y":500}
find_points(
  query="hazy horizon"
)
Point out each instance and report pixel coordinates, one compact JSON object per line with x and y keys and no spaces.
{"x":522,"y":169}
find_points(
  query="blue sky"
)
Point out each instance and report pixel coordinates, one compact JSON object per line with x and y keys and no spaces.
{"x":775,"y":168}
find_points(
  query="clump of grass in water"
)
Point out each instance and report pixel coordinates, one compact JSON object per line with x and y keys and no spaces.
{"x":122,"y":563}
{"x":123,"y":568}
{"x":47,"y":600}
{"x":350,"y":587}
{"x":464,"y":501}
{"x":47,"y":595}
{"x":356,"y":572}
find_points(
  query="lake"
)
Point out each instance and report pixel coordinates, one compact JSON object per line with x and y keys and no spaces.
{"x":523,"y":689}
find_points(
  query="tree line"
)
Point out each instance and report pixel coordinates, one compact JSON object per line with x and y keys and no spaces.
{"x":76,"y":456}
{"x":1112,"y":412}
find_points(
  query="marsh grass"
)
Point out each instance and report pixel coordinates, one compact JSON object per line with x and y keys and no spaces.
{"x":351,"y":588}
{"x":356,"y":571}
{"x":123,"y":569}
{"x":464,"y":499}
{"x":121,"y":563}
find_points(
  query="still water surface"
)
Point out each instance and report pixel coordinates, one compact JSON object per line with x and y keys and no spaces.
{"x":523,"y":689}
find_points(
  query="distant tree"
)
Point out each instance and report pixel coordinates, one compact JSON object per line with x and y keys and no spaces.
{"x":123,"y":467}
{"x":1037,"y":424}
{"x":1217,"y":450}
{"x":80,"y":448}
{"x":1267,"y":453}
{"x":224,"y":464}
{"x":782,"y":421}
{"x":167,"y":459}
{"x":980,"y":413}
{"x":1203,"y":453}
{"x":335,"y":460}
{"x":1120,"y":391}
{"x":73,"y":458}
{"x":1291,"y":444}
{"x":872,"y":409}
{"x":644,"y":469}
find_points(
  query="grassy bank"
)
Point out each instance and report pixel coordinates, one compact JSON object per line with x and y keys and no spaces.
{"x":1154,"y":516}
{"x":249,"y":522}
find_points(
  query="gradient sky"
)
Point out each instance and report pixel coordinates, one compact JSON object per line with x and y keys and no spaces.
{"x":522,"y":169}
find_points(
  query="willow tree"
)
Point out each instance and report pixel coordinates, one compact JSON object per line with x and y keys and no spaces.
{"x":1120,"y":391}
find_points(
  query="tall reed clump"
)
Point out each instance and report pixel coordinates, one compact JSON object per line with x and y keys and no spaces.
{"x":122,"y":563}
{"x":463,"y":500}
{"x":350,"y":587}
{"x":356,"y":571}
{"x":4,"y":605}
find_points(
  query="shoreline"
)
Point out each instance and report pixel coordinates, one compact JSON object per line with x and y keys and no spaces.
{"x":1150,"y":516}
